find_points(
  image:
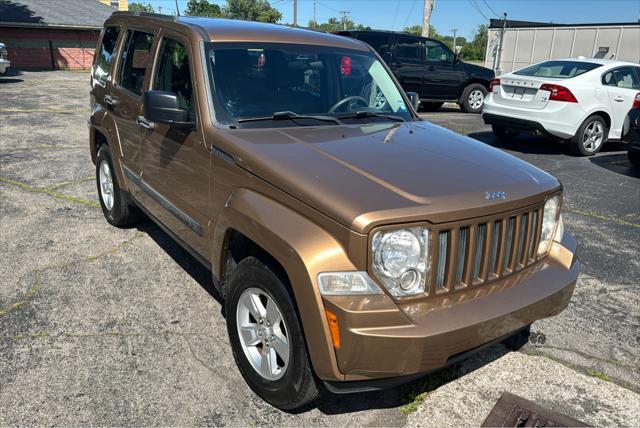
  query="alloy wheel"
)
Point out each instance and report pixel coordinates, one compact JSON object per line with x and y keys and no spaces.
{"x":263,"y":334}
{"x":593,"y":136}
{"x":476,"y":99}
{"x":106,"y":185}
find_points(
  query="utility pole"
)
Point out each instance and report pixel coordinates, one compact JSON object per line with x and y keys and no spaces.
{"x":177,"y":9}
{"x":344,"y":13}
{"x":454,"y":31}
{"x":315,"y":23}
{"x":295,"y":13}
{"x":429,"y":5}
{"x":160,"y":10}
{"x":498,"y":68}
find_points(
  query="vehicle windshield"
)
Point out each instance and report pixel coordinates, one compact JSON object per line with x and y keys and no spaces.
{"x":558,"y":69}
{"x":253,"y":82}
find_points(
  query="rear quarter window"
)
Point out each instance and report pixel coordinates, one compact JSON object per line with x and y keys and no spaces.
{"x":558,"y":69}
{"x":105,"y":54}
{"x":623,"y":77}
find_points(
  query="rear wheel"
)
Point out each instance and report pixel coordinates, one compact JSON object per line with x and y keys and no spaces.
{"x":113,"y":200}
{"x":473,"y":98}
{"x":590,"y":136}
{"x":266,"y":337}
{"x":430,"y":106}
{"x":503,"y":133}
{"x":634,"y":158}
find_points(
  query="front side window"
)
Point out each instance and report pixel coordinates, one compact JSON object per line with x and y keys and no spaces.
{"x":558,"y":69}
{"x":408,"y":48}
{"x":258,"y":80}
{"x":623,"y":77}
{"x":437,"y":52}
{"x":105,"y":54}
{"x":173,"y":73}
{"x":135,"y":59}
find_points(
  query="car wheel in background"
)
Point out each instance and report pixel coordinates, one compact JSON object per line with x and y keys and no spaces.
{"x":267,"y":339}
{"x":473,"y":98}
{"x":428,"y":106}
{"x":634,"y":158}
{"x":503,"y":133}
{"x":115,"y":205}
{"x":590,"y":136}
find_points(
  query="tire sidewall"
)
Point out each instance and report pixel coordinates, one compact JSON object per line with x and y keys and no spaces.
{"x":465,"y":97}
{"x":285,"y":392}
{"x":114,"y":214}
{"x":577,"y":139}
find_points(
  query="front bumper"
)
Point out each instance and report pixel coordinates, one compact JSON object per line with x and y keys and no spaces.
{"x":382,"y":339}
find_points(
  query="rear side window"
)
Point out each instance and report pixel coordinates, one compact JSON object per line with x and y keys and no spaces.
{"x":173,"y":72}
{"x":408,"y":48}
{"x":437,"y":52}
{"x":623,"y":77}
{"x":558,"y":69}
{"x":135,"y":59}
{"x":379,"y":42}
{"x":105,"y":54}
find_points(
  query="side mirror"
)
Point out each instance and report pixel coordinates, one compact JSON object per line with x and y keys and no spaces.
{"x":164,"y":107}
{"x":415,"y":99}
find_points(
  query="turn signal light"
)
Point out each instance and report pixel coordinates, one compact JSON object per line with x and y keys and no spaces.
{"x":492,"y":83}
{"x":559,"y":93}
{"x":636,"y":101}
{"x":332,"y":319}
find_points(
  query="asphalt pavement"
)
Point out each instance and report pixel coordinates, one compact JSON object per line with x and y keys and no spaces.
{"x":107,"y":326}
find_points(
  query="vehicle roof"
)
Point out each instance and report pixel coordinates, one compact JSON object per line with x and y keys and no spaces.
{"x":230,"y":30}
{"x":601,"y":61}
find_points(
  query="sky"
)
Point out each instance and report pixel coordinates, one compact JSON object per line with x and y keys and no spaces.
{"x":465,"y":15}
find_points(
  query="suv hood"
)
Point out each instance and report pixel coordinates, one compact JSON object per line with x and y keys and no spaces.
{"x":365,"y":175}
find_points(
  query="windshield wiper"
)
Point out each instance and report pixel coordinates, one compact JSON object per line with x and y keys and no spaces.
{"x":363,"y":114}
{"x":289,"y":115}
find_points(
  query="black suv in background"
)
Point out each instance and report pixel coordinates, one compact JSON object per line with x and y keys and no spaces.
{"x":430,"y":68}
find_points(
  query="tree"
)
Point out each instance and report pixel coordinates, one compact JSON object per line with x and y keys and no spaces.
{"x":202,"y":8}
{"x":337,"y":24}
{"x":474,"y":51}
{"x":251,"y":10}
{"x":140,"y":7}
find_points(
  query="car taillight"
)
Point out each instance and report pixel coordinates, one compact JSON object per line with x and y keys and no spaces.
{"x":559,"y":93}
{"x":636,"y":101}
{"x":494,"y":82}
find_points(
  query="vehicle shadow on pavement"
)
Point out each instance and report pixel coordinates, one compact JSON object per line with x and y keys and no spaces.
{"x":533,"y":144}
{"x":618,"y":163}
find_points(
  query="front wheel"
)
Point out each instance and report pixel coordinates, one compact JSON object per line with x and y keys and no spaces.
{"x":113,"y":201}
{"x":473,"y":98}
{"x":266,"y":337}
{"x":590,"y":136}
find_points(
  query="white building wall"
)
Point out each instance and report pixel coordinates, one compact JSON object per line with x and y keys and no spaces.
{"x":526,"y":46}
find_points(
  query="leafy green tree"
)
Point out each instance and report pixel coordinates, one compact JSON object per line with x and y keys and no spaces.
{"x":251,"y":10}
{"x":202,"y":8}
{"x":475,"y":50}
{"x":140,"y":7}
{"x":336,"y":24}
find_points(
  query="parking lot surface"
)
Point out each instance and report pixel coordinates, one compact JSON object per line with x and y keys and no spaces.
{"x":109,"y":326}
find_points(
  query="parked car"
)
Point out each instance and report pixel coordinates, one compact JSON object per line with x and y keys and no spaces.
{"x":355,"y":245}
{"x":631,"y":132}
{"x":429,"y":68}
{"x":580,"y":100}
{"x":4,"y":59}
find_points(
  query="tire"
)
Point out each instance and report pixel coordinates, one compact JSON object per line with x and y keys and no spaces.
{"x":429,"y":106}
{"x":115,"y":205}
{"x":593,"y":126}
{"x":292,"y":384}
{"x":503,"y":133}
{"x":634,"y":158}
{"x":472,"y":99}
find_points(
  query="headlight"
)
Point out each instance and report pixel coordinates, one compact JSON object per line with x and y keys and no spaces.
{"x":400,"y":260}
{"x":550,"y":219}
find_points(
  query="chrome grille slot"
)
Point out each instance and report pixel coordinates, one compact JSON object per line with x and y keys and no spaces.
{"x":534,"y":228}
{"x":495,"y":240}
{"x":479,"y":251}
{"x":522,"y":239}
{"x":443,"y":252}
{"x":507,"y":254}
{"x":462,"y":254}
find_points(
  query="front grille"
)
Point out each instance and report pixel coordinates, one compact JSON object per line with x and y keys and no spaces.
{"x":473,"y":253}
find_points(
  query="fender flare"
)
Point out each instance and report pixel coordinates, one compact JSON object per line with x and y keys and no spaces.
{"x":303,"y":248}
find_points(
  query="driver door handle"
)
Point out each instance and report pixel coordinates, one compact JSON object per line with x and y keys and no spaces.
{"x":140,"y":120}
{"x":618,"y":99}
{"x":110,"y":101}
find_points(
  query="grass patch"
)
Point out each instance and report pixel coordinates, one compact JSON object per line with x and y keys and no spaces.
{"x":418,"y":392}
{"x":598,"y":374}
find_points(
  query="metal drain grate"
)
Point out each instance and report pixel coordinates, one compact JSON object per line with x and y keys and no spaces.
{"x":514,"y":411}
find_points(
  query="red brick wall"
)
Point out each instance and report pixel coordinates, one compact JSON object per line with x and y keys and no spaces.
{"x":33,"y":48}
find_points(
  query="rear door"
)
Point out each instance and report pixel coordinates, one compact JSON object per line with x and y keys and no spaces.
{"x":125,"y":95}
{"x":621,"y":84}
{"x":408,"y":65}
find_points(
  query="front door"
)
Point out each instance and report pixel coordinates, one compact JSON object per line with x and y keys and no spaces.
{"x":175,"y":160}
{"x":441,"y":79}
{"x":622,"y":84}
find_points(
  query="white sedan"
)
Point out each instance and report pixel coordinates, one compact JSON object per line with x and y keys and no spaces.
{"x":581,"y":100}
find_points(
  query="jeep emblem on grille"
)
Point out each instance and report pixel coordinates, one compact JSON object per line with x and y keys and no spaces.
{"x":492,"y":196}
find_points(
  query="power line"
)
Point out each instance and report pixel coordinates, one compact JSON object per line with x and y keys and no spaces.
{"x":395,"y":15}
{"x":413,"y":3}
{"x":491,"y":9}
{"x":475,"y":5}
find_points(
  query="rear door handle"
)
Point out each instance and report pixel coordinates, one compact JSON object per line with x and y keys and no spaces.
{"x":110,"y":101}
{"x":618,"y":99}
{"x":140,"y":120}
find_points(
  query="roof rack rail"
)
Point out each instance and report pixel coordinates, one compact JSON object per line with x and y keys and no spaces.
{"x":147,"y":15}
